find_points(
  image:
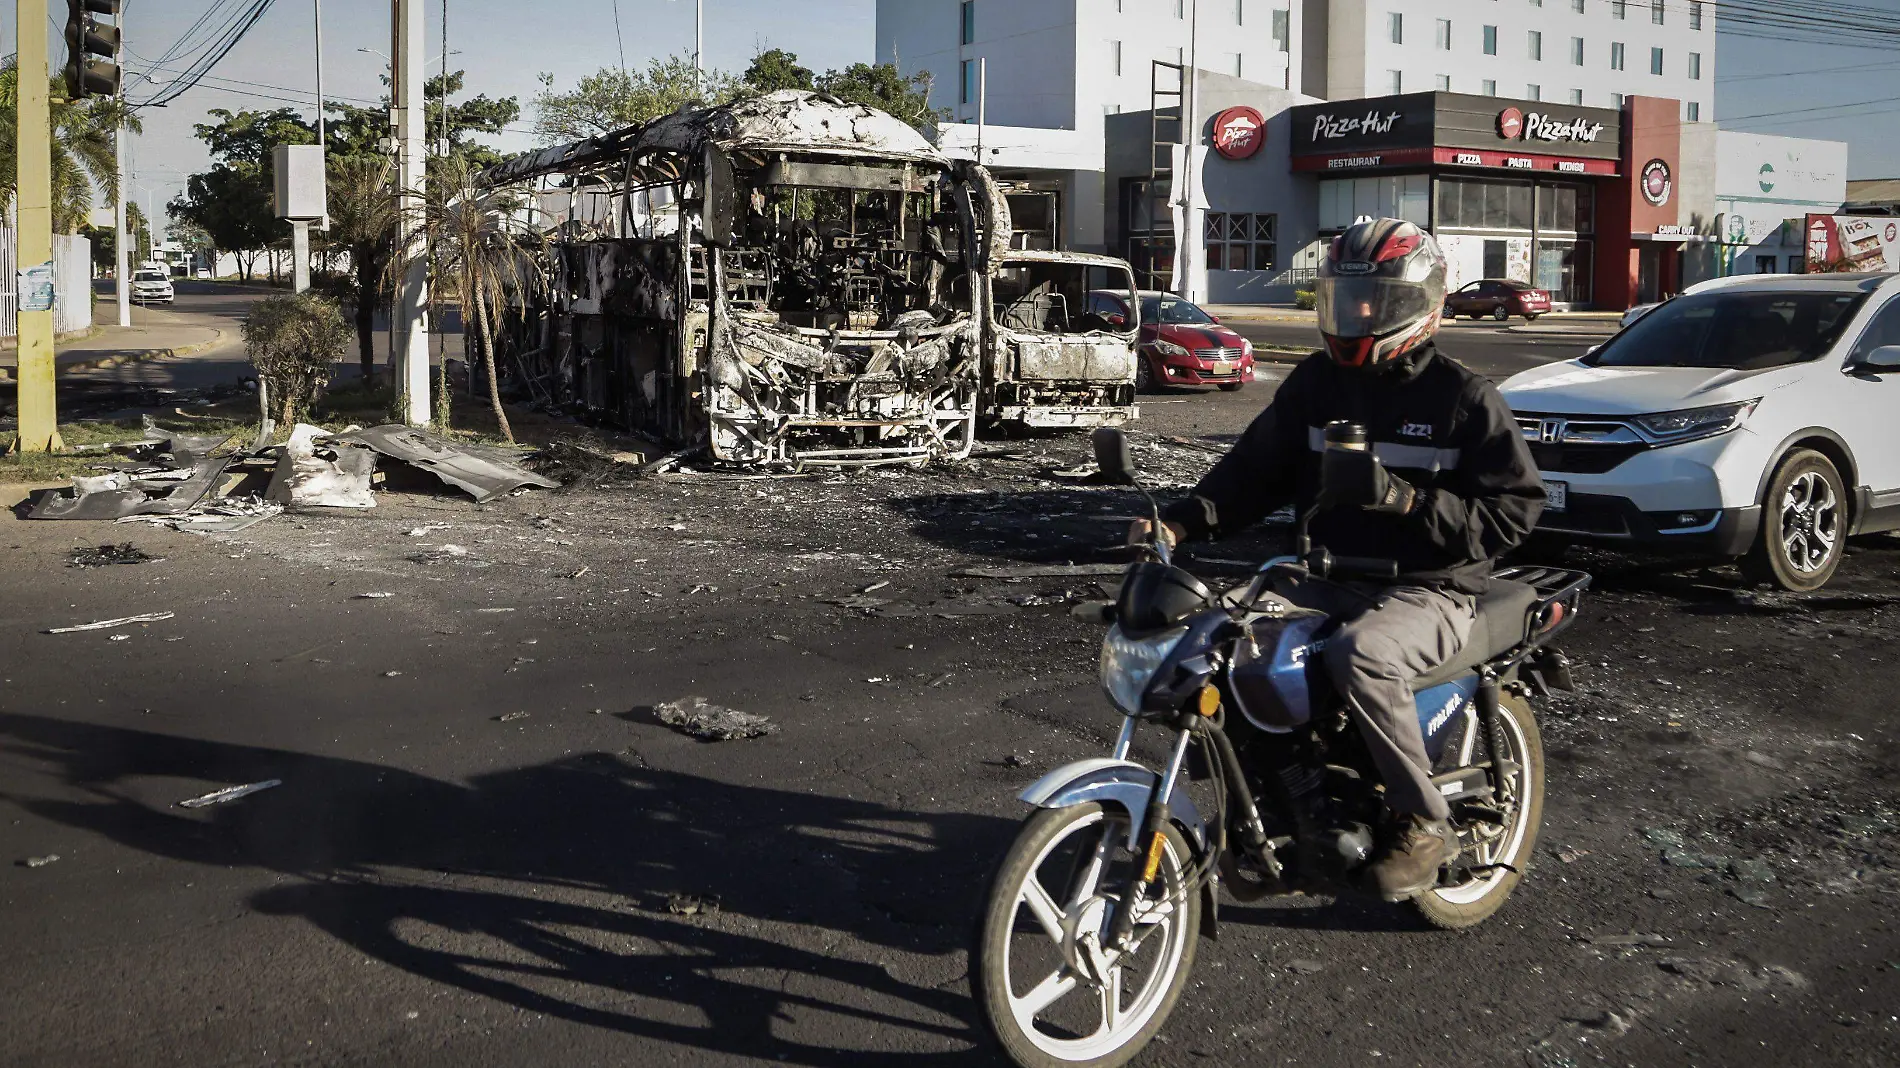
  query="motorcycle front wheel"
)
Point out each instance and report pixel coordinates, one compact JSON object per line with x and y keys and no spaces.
{"x":1048,"y":991}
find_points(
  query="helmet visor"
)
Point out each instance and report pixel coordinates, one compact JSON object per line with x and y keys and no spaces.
{"x":1369,"y":307}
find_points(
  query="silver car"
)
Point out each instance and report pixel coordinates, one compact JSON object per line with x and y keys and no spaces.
{"x":152,"y":287}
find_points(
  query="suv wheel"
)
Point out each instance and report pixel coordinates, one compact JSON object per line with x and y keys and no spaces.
{"x":1803,"y":524}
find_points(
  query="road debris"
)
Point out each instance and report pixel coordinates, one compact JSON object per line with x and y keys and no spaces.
{"x":438,"y":554}
{"x":483,"y":473}
{"x":691,"y":904}
{"x":107,"y":555}
{"x":327,"y":475}
{"x":372,"y":596}
{"x":1040,"y":571}
{"x":229,"y":793}
{"x":1305,"y":967}
{"x":510,"y":717}
{"x":1629,"y":940}
{"x":703,"y":719}
{"x":40,"y":862}
{"x":108,"y":624}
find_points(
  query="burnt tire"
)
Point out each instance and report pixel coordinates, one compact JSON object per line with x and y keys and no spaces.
{"x":1804,"y":521}
{"x":1474,"y":900}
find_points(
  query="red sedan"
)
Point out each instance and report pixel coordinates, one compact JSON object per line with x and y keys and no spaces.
{"x":1498,"y":298}
{"x":1179,"y":345}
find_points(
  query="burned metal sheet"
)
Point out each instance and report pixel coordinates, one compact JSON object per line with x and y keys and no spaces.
{"x":482,"y":477}
{"x":121,"y":493}
{"x":309,"y":475}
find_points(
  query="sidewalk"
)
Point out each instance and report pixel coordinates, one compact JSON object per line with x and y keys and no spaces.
{"x":110,"y":346}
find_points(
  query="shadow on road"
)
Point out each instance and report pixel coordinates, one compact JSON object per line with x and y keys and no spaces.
{"x":547,"y":887}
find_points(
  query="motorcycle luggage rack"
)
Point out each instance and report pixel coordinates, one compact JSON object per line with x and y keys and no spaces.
{"x":1558,"y":592}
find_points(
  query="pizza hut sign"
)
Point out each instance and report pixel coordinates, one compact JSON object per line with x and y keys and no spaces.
{"x":1239,"y":132}
{"x":1537,"y":126}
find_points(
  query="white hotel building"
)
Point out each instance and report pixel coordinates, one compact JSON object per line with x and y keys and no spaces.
{"x":1067,"y":87}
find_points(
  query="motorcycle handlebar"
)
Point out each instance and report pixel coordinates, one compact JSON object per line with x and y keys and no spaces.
{"x":1367,"y":565}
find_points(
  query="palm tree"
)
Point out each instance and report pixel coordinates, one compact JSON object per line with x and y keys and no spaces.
{"x":478,"y":242}
{"x":83,"y":148}
{"x":364,"y":214}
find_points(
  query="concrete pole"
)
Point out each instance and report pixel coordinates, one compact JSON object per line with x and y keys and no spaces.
{"x":699,"y":36}
{"x":300,"y":254}
{"x":121,"y":250}
{"x":39,"y":415}
{"x":1191,"y":245}
{"x":412,"y":135}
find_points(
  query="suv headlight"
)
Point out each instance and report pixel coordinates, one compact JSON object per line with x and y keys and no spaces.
{"x":1169,"y":348}
{"x":1128,"y":664}
{"x":1689,"y":424}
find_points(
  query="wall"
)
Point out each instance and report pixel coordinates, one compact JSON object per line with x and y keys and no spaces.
{"x":1695,"y":200}
{"x":1420,"y":61}
{"x":1764,"y":182}
{"x":1031,"y":49}
{"x":72,"y":284}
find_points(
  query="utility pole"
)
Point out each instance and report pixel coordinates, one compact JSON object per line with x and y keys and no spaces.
{"x":699,"y":36}
{"x":411,"y":325}
{"x":39,"y":414}
{"x":121,"y":245}
{"x":1190,"y":244}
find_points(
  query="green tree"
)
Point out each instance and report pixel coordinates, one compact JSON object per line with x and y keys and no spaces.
{"x":482,"y":248}
{"x":776,"y":69}
{"x":83,"y":148}
{"x":357,"y":131}
{"x":613,"y":98}
{"x":363,"y":222}
{"x":881,"y":86}
{"x":232,"y":206}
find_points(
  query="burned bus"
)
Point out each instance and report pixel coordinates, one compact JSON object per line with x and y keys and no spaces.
{"x":792,"y":280}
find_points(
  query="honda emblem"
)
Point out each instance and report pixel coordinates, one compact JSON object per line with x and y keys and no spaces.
{"x":1550,"y":431}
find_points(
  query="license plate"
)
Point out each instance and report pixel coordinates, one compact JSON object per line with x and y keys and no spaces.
{"x":1223,"y":367}
{"x":1556,"y":496}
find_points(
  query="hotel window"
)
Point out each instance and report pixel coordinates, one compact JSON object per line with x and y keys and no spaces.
{"x":1240,"y":241}
{"x":1619,"y":9}
{"x":1537,"y":44}
{"x":1576,"y":97}
{"x":1490,"y":40}
{"x":1490,"y":87}
{"x":1115,"y":56}
{"x":1233,"y":63}
{"x":1695,"y":16}
{"x":1394,"y":82}
{"x":1533,"y":91}
{"x":1695,"y":111}
{"x":1656,"y":11}
{"x":1395,"y":23}
{"x":1444,"y":35}
{"x":968,"y":71}
{"x":1444,"y":83}
{"x":1537,"y":3}
{"x":1576,"y":51}
{"x":1616,"y":55}
{"x":1240,"y":16}
{"x":1282,"y":29}
{"x":1655,"y":61}
{"x":1180,"y":9}
{"x":1577,"y":6}
{"x":1616,"y":101}
{"x":1695,"y":66}
{"x":969,"y":22}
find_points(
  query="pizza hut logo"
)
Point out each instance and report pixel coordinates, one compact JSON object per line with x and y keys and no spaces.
{"x":1239,"y":132}
{"x":1510,"y":123}
{"x":1655,"y":183}
{"x":1893,"y":233}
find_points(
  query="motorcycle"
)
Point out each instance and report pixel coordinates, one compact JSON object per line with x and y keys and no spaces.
{"x":1089,"y":930}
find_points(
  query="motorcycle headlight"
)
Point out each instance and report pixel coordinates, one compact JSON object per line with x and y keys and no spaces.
{"x":1169,"y":348}
{"x":1689,"y":424}
{"x":1128,"y":664}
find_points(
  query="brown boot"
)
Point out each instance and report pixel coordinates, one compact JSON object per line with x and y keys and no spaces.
{"x":1408,"y":864}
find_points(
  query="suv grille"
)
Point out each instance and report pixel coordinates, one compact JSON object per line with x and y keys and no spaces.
{"x":1218,"y":354}
{"x":1581,"y":459}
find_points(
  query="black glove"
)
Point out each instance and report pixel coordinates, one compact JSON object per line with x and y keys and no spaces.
{"x":1353,"y":477}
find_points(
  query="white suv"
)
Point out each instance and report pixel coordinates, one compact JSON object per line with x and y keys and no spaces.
{"x":151,"y":287}
{"x":1754,"y":417}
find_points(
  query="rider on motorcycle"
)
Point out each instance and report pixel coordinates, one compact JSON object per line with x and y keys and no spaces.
{"x":1447,"y":487}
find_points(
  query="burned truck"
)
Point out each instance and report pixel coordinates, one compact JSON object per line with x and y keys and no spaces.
{"x":789,"y":279}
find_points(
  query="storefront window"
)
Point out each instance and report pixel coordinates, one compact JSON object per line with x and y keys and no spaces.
{"x":1484,"y":205}
{"x":1563,"y":268}
{"x":1402,"y":196}
{"x":1565,"y":208}
{"x":1241,"y":241}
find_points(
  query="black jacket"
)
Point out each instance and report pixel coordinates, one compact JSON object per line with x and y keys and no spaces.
{"x":1432,"y":422}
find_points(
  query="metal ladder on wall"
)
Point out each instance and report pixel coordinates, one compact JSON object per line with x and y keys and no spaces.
{"x":1155,"y":266}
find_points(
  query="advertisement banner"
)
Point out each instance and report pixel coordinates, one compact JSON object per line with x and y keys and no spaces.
{"x":1852,"y":243}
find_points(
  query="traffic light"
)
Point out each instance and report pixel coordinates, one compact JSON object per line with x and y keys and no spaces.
{"x":87,"y":36}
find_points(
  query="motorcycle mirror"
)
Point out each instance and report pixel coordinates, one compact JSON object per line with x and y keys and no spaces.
{"x":1113,"y":457}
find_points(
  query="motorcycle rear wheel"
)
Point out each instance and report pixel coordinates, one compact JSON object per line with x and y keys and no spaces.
{"x":1475,"y":899}
{"x":1055,"y":887}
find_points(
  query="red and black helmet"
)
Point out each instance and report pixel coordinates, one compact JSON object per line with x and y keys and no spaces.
{"x":1381,"y":292}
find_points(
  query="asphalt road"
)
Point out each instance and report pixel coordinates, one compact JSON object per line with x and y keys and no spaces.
{"x":486,"y":850}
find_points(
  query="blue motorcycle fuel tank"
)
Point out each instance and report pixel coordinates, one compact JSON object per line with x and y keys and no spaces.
{"x":1277,"y":679}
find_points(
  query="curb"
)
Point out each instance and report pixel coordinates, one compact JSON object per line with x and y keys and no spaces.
{"x":121,"y":359}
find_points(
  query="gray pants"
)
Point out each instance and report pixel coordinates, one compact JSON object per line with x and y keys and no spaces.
{"x":1399,"y":633}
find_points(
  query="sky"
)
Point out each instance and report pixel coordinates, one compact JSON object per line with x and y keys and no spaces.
{"x":504,"y":45}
